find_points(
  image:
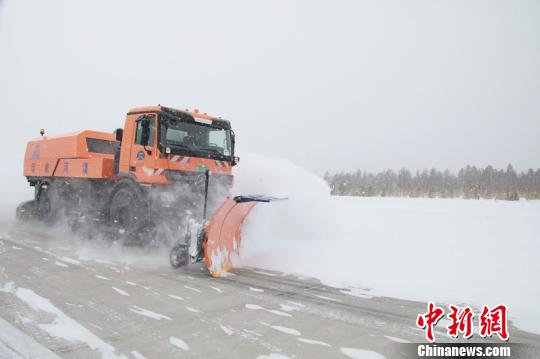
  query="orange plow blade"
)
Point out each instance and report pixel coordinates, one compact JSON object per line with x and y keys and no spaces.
{"x":222,"y":234}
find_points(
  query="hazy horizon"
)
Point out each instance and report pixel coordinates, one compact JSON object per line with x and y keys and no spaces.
{"x":329,"y":85}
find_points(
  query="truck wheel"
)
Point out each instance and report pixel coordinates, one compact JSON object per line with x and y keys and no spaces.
{"x":179,"y":256}
{"x":45,"y":204}
{"x":26,"y":211}
{"x":126,"y":211}
{"x":155,"y":234}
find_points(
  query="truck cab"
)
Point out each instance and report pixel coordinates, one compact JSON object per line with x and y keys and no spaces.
{"x":183,"y":159}
{"x":160,"y":145}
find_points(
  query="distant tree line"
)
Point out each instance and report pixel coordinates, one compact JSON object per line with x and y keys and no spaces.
{"x":470,"y":182}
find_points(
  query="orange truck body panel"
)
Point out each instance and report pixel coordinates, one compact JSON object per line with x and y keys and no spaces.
{"x":68,"y":156}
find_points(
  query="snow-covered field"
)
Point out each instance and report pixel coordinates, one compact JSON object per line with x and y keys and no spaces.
{"x":444,"y":250}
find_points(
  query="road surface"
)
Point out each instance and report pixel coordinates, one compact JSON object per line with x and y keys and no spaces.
{"x":56,"y":302}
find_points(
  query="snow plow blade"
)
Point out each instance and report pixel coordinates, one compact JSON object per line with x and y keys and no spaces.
{"x":222,"y":233}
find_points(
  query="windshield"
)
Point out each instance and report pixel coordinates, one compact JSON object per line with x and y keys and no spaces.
{"x":197,"y":138}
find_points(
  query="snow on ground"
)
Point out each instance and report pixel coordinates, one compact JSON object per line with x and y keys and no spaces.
{"x":120,"y":291}
{"x":148,"y":313}
{"x":63,"y":326}
{"x":273,"y":356}
{"x":253,"y":289}
{"x":361,"y":353}
{"x":192,"y":288}
{"x":445,"y":250}
{"x":175,"y":297}
{"x":16,"y":344}
{"x":258,"y":307}
{"x":179,"y":343}
{"x":286,"y":330}
{"x":215,"y":288}
{"x":314,"y":342}
{"x":137,"y":355}
{"x":227,"y":330}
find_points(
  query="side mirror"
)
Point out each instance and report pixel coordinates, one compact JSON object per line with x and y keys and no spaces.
{"x":118,"y":134}
{"x":236,"y":159}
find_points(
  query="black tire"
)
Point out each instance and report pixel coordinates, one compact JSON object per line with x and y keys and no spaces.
{"x":128,"y":212}
{"x":26,"y":211}
{"x":178,"y":256}
{"x":157,"y":233}
{"x":45,"y":204}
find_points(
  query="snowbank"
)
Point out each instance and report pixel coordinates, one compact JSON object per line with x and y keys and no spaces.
{"x":446,"y":250}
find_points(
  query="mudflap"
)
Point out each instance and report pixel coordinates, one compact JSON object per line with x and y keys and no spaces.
{"x":222,"y":234}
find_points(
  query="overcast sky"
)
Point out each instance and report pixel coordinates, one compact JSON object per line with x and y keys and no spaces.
{"x":330,"y":85}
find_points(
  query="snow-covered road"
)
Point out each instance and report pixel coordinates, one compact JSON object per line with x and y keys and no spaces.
{"x":77,"y":300}
{"x":83,"y":308}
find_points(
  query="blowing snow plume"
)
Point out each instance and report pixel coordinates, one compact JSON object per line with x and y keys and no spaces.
{"x":291,"y":235}
{"x":306,"y":215}
{"x":306,"y":234}
{"x":445,"y":250}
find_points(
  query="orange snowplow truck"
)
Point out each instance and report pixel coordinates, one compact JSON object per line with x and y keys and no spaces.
{"x":150,"y":183}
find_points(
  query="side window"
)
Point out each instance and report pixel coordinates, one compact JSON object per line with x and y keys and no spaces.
{"x":151,"y":131}
{"x":145,"y":130}
{"x":138,"y":131}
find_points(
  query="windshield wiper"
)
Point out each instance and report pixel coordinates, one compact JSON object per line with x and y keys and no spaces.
{"x":193,"y":151}
{"x":179,"y":145}
{"x":210,"y":149}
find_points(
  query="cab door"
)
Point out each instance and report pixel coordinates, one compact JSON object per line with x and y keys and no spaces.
{"x":144,"y":149}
